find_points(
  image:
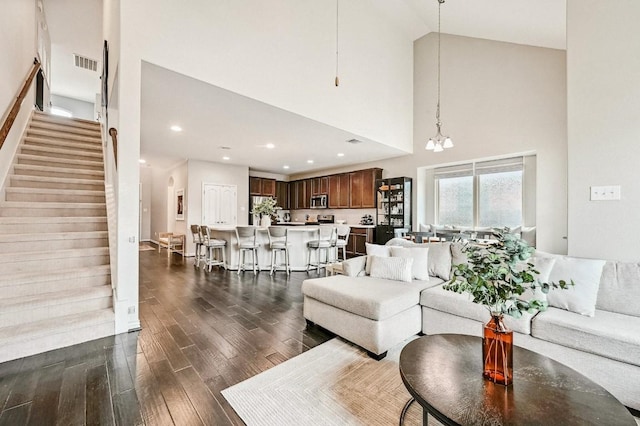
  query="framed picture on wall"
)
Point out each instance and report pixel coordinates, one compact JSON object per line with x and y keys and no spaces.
{"x":180,"y":204}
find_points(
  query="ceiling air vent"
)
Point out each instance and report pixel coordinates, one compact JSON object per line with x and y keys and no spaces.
{"x":354,"y":141}
{"x":85,"y":63}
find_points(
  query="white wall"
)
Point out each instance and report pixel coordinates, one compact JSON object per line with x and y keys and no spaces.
{"x":164,"y":184}
{"x":603,"y":64}
{"x":200,"y":172}
{"x":18,"y":48}
{"x":497,"y":99}
{"x":79,"y":109}
{"x":146,"y":182}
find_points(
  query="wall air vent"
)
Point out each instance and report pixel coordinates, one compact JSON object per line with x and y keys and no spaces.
{"x":85,"y":63}
{"x":354,"y":141}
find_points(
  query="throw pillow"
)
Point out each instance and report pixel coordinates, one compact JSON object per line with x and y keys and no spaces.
{"x":586,"y":274}
{"x":391,"y":268}
{"x":354,"y":267}
{"x":420,"y":256}
{"x":457,"y":255}
{"x":375,"y":250}
{"x":543,"y":265}
{"x":440,"y":260}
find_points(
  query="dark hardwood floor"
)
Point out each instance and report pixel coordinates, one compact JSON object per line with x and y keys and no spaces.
{"x":201,"y":332}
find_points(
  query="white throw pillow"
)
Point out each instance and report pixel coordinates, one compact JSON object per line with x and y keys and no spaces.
{"x":586,"y":274}
{"x":391,"y":268}
{"x":354,"y":267}
{"x":375,"y":250}
{"x":440,"y":260}
{"x":544,"y":265}
{"x":420,"y":256}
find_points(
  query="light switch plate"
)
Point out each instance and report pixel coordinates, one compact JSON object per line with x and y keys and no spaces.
{"x":605,"y":193}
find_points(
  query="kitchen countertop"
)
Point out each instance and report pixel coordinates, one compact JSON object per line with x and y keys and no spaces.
{"x":294,"y":225}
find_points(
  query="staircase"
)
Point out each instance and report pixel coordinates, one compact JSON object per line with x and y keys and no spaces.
{"x":55,"y":283}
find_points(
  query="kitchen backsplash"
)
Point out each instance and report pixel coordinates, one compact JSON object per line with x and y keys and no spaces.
{"x":352,"y":216}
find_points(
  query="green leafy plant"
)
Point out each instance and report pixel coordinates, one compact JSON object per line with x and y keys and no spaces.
{"x":497,"y":274}
{"x":266,"y":207}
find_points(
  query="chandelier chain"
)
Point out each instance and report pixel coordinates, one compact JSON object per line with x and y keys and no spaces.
{"x":438,"y":105}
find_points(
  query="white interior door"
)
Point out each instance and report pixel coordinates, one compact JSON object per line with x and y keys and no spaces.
{"x":219,"y":204}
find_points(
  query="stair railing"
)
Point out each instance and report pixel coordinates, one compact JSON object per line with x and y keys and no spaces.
{"x":114,"y":141}
{"x":15,"y":108}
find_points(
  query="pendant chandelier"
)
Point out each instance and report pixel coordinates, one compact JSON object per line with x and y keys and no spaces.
{"x":439,"y":142}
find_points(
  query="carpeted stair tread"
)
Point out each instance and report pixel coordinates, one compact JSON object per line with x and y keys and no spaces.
{"x":52,"y":161}
{"x":38,"y":180}
{"x":30,"y":169}
{"x":53,"y":236}
{"x":22,"y":278}
{"x":50,"y":219}
{"x":54,"y":191}
{"x":57,"y":150}
{"x":63,"y":136}
{"x":71,"y":121}
{"x":57,"y":325}
{"x":82,"y":146}
{"x":76,"y":130}
{"x":22,"y":303}
{"x":36,"y":205}
{"x":53,"y":254}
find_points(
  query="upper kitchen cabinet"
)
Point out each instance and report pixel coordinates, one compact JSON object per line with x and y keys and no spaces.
{"x":320,"y":185}
{"x":282,"y":194}
{"x":300,"y":194}
{"x":362,"y":187}
{"x":339,"y":191}
{"x":262,"y":187}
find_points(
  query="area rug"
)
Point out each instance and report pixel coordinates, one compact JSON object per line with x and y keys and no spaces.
{"x":335,"y":383}
{"x":145,"y":247}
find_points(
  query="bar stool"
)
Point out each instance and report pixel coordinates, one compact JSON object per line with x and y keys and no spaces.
{"x":342,"y":239}
{"x":279,"y":242}
{"x":213,"y":246}
{"x":247,"y":242}
{"x":325,"y":242}
{"x":197,"y":239}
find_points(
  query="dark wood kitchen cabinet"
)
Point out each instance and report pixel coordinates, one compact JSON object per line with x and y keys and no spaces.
{"x":282,"y":194}
{"x":339,"y":191}
{"x":362,"y":188}
{"x":357,"y":239}
{"x":320,"y":185}
{"x":262,"y":187}
{"x":300,"y":194}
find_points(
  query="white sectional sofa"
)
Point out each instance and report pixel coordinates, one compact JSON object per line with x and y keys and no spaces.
{"x":377,"y":314}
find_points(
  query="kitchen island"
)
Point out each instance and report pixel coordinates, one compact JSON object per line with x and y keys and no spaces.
{"x":299,"y":236}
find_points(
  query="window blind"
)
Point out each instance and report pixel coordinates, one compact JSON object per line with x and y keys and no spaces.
{"x":459,"y":170}
{"x":500,"y":166}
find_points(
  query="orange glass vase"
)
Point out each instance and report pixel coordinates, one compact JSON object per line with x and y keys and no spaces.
{"x":497,"y":351}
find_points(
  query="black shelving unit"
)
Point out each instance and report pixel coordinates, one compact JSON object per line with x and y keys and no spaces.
{"x":393,"y":207}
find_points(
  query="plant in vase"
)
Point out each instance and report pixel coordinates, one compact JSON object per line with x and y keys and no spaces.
{"x":496,"y":276}
{"x":266,"y":209}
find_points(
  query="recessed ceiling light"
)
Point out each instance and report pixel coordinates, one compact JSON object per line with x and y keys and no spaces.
{"x":341,"y":154}
{"x":270,"y":146}
{"x":176,"y":128}
{"x":142,"y":161}
{"x":285,"y":167}
{"x":310,"y":161}
{"x":226,"y":158}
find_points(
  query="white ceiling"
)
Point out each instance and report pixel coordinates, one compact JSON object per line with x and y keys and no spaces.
{"x":246,"y":125}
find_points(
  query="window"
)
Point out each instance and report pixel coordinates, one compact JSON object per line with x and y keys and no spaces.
{"x":487,"y":193}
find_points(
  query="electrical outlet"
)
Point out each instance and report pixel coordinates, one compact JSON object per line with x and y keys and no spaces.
{"x":605,"y":193}
{"x":131,"y":310}
{"x":132,"y":239}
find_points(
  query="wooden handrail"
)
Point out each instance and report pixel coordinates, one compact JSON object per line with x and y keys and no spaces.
{"x":15,"y":108}
{"x":114,"y":141}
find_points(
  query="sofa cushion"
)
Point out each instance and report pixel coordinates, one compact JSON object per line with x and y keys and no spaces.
{"x":543,"y":265}
{"x":440,"y":260}
{"x":375,"y":250}
{"x":461,"y":304}
{"x":586,"y":274}
{"x":373,"y":298}
{"x":391,"y":268}
{"x":619,"y":285}
{"x":420,"y":256}
{"x":608,"y":334}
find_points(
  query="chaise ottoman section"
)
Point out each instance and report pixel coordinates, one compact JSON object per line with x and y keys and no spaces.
{"x":373,"y":313}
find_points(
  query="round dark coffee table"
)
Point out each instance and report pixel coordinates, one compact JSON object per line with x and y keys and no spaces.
{"x":443,"y":372}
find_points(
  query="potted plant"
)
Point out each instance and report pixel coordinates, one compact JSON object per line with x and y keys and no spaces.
{"x":496,"y":276}
{"x":266,"y":208}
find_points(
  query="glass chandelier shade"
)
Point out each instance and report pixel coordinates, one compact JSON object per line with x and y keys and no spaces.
{"x":439,"y":142}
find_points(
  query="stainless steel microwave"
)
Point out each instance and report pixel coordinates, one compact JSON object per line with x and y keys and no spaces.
{"x":319,"y":201}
